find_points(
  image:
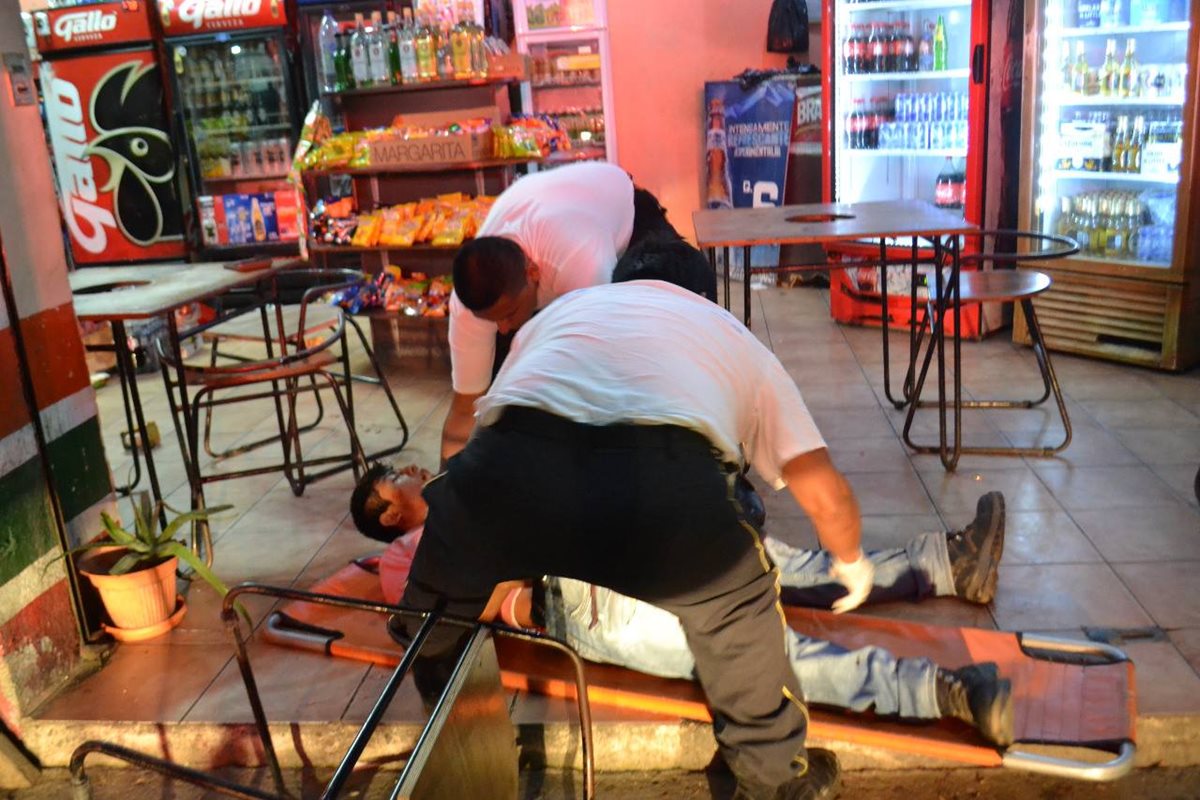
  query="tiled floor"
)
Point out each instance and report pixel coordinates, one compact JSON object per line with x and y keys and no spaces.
{"x":1106,"y":535}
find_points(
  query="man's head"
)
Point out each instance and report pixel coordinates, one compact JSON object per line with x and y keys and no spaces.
{"x":667,"y":259}
{"x":496,"y":281}
{"x":387,"y":502}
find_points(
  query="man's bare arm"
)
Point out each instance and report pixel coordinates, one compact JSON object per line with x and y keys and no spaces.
{"x":826,"y":496}
{"x":460,"y":421}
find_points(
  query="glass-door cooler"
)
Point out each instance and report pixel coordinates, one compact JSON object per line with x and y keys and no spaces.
{"x":1108,"y":116}
{"x":235,"y":105}
{"x":571,"y":74}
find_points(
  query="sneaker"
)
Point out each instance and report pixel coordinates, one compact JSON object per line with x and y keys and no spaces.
{"x":819,"y":781}
{"x":975,"y":551}
{"x":977,"y":694}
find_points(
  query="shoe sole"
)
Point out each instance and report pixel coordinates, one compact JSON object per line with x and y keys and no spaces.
{"x":1000,"y":722}
{"x":990,"y":554}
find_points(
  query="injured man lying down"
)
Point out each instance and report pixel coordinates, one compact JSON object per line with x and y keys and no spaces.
{"x":608,"y":627}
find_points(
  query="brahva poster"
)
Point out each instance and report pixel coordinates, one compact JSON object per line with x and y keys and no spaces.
{"x":747,"y":134}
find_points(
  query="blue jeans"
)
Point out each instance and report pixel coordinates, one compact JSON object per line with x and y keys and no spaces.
{"x":608,"y":627}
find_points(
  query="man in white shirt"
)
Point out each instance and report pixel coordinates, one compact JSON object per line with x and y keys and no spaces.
{"x":606,"y":451}
{"x":547,"y":234}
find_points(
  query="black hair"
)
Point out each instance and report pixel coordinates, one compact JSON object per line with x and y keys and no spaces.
{"x":366,"y":506}
{"x":486,"y":269}
{"x":665,"y":258}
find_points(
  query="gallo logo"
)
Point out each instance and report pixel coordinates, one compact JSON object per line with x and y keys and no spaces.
{"x":86,"y":220}
{"x":85,"y":25}
{"x":218,"y":13}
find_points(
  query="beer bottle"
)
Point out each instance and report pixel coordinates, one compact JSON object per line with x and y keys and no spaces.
{"x":1137,"y":140}
{"x":1129,"y":71}
{"x":719,"y":193}
{"x":1079,"y":78}
{"x":1120,"y":147}
{"x":1110,"y":73}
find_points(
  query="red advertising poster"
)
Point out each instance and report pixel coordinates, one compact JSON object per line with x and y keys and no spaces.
{"x":100,"y":25}
{"x":113,"y":157}
{"x":187,"y":17}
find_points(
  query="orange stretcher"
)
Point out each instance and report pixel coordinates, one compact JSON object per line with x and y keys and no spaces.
{"x":1066,"y":693}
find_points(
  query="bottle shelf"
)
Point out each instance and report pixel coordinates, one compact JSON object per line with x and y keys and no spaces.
{"x":1121,"y":30}
{"x":206,"y":133}
{"x":274,"y":176}
{"x":1120,"y":102}
{"x":217,"y":86}
{"x":903,"y":5}
{"x":564,"y":85}
{"x":321,"y":247}
{"x":911,"y":152}
{"x":1124,"y":262}
{"x":932,"y":75}
{"x":423,"y":86}
{"x":1115,"y":177}
{"x":465,"y":166}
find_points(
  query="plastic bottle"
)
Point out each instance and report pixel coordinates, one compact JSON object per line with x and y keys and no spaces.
{"x":946,"y":191}
{"x":939,"y":44}
{"x":327,"y":52}
{"x":925,"y":50}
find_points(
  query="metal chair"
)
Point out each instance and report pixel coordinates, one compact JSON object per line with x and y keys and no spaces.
{"x":946,"y":300}
{"x":299,"y":359}
{"x":319,"y":318}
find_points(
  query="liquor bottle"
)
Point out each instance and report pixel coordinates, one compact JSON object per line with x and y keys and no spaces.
{"x":479,"y":53}
{"x":445,"y":51}
{"x":393,"y":42}
{"x":1129,"y":71}
{"x":939,"y":44}
{"x":426,"y":47}
{"x":925,"y":50}
{"x":327,"y":52}
{"x":360,"y":60}
{"x":1120,"y":146}
{"x":1110,"y":73}
{"x":460,"y":47}
{"x":377,"y":51}
{"x":1137,"y":141}
{"x":408,"y":49}
{"x":1079,"y":77}
{"x":719,"y":186}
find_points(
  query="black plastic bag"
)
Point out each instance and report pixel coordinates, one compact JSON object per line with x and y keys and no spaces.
{"x":787,"y":27}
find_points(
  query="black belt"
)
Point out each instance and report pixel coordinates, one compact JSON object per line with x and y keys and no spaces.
{"x":543,"y":424}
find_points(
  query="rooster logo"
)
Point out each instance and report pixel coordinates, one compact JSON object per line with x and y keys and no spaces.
{"x":126,"y":112}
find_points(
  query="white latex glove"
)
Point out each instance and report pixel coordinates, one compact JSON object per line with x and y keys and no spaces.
{"x":857,"y":576}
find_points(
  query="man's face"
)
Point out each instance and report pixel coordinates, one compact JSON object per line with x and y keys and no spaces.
{"x":401,"y":490}
{"x":514,"y":309}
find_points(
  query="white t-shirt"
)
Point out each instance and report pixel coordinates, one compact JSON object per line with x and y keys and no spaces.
{"x":573,"y":222}
{"x":648,"y":352}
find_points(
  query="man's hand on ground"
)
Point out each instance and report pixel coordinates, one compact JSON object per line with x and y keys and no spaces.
{"x":858,"y":577}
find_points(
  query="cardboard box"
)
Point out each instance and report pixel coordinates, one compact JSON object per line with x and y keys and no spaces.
{"x":432,"y":150}
{"x":509,"y":65}
{"x":248,"y":218}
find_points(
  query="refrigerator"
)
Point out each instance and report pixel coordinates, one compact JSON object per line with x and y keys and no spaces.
{"x":906,"y":88}
{"x":570,"y":72}
{"x":109,"y":134}
{"x":237,"y":119}
{"x":1110,"y":135}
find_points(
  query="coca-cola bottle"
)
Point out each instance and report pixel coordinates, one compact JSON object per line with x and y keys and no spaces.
{"x":889,"y":50}
{"x":876,"y":49}
{"x":908,"y":50}
{"x":855,"y":122}
{"x":851,"y":51}
{"x":859,"y":52}
{"x":950,"y":188}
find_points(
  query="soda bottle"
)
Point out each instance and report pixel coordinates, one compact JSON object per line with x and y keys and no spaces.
{"x":890,"y":42}
{"x":849,"y":56}
{"x":855,"y":123}
{"x":945,"y":194}
{"x":939,"y":44}
{"x":925,"y":50}
{"x":327,"y":52}
{"x":908,"y":47}
{"x":877,"y":49}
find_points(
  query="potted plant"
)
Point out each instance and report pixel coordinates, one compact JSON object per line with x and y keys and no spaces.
{"x":133,"y":571}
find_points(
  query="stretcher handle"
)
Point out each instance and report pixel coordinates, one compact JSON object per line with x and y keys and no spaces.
{"x":1058,"y":644}
{"x":1109,"y":770}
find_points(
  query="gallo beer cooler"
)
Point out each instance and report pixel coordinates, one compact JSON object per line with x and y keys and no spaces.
{"x":236,"y":108}
{"x":109,"y":135}
{"x":907,"y":91}
{"x":1110,"y":119}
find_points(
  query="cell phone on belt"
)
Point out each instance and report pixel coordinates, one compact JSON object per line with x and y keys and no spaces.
{"x":249,"y":264}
